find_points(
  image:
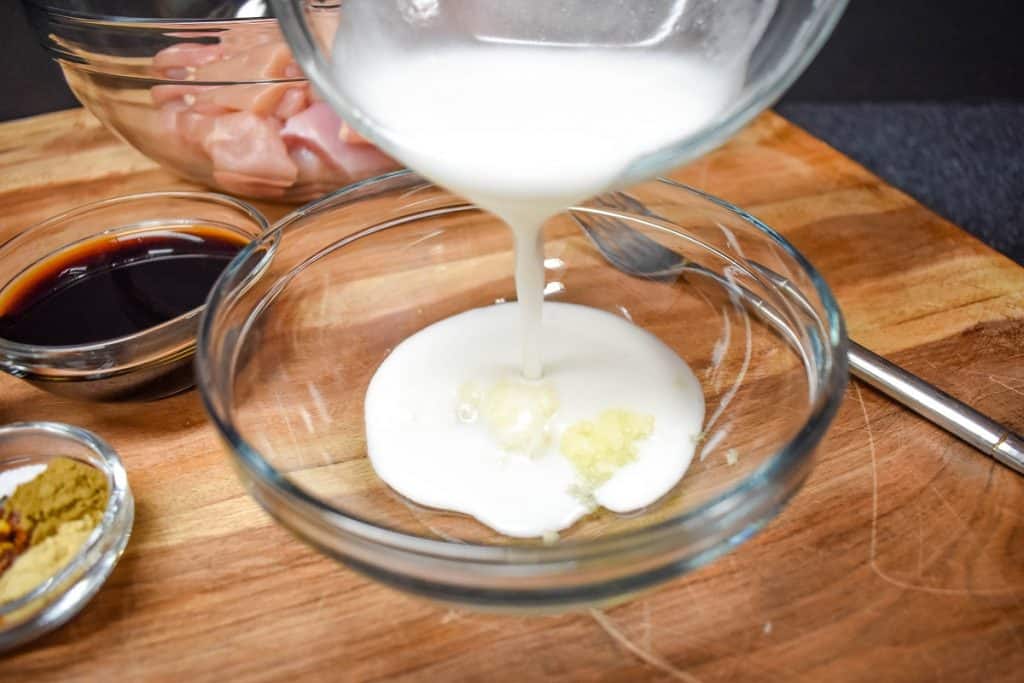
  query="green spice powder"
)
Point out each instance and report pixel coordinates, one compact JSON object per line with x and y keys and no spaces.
{"x":66,"y":490}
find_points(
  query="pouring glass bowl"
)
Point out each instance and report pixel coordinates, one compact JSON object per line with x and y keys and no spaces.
{"x":285,"y":356}
{"x":774,"y":40}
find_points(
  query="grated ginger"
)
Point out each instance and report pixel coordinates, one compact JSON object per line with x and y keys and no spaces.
{"x":600,"y":447}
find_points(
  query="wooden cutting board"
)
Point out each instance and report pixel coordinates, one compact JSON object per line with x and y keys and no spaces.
{"x":901,"y":559}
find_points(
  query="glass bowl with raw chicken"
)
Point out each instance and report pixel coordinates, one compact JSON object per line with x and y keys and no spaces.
{"x":209,"y":90}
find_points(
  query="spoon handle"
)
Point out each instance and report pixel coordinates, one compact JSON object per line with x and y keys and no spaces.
{"x":959,"y":419}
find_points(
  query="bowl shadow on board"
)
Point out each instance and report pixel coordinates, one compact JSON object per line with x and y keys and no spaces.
{"x":156,"y":382}
{"x":180,"y":413}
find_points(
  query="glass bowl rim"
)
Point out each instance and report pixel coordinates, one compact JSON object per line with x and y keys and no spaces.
{"x":118,"y":500}
{"x":788,"y":457}
{"x":176,"y":330}
{"x":100,"y":19}
{"x":94,"y":20}
{"x":152,"y":81}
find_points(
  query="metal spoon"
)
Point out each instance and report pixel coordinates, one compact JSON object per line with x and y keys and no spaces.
{"x":636,"y":254}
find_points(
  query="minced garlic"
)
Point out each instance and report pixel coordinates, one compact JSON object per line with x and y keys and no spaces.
{"x":600,"y":447}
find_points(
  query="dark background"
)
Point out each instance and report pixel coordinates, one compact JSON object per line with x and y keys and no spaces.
{"x":929,"y":94}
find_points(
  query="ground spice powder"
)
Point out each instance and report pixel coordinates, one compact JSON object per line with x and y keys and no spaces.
{"x":65,"y":491}
{"x":44,"y":559}
{"x":53,"y":514}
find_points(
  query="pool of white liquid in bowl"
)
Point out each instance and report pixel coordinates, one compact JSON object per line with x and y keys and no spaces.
{"x":451,"y":423}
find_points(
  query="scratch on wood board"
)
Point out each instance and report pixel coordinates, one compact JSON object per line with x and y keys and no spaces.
{"x":873,"y":547}
{"x":648,"y":657}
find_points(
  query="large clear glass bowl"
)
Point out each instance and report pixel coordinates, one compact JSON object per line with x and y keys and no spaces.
{"x":299,"y":322}
{"x":206,"y":89}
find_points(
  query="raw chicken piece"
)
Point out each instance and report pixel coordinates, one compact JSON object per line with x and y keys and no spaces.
{"x":170,"y":118}
{"x":179,"y":62}
{"x":348,"y":134}
{"x":250,"y":186}
{"x":185,"y":126}
{"x":259,"y":98}
{"x":200,"y":97}
{"x":209,"y":107}
{"x":295,"y":99}
{"x":243,"y":144}
{"x":221,"y":118}
{"x":261,"y":63}
{"x":364,"y":161}
{"x":163,"y":94}
{"x":318,"y":128}
{"x":309,"y":163}
{"x":313,"y":170}
{"x":194,"y":128}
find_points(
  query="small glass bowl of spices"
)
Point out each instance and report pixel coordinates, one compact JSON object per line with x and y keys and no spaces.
{"x":103,"y":302}
{"x":66,"y":513}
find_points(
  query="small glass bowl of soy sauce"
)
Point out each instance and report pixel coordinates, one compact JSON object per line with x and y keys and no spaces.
{"x":103,"y":302}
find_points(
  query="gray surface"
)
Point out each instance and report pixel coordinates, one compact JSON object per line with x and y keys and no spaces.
{"x":965,"y":161}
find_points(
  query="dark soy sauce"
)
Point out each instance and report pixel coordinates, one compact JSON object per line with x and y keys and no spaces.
{"x":115,"y":285}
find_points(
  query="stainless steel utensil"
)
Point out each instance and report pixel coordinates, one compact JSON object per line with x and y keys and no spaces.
{"x":636,"y":254}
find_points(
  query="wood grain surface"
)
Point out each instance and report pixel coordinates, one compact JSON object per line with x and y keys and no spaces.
{"x":902,"y":559}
